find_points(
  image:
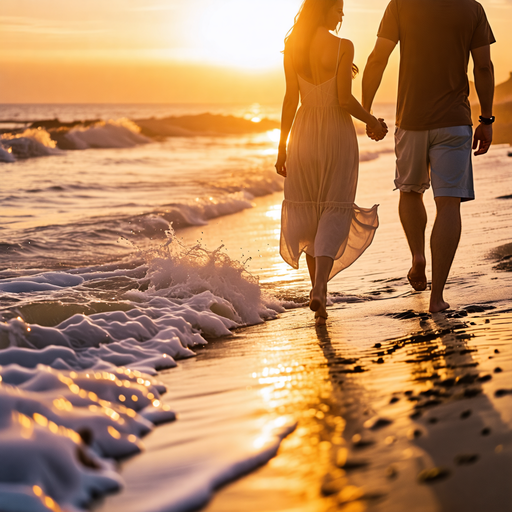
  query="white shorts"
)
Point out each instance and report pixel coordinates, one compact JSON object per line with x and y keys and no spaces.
{"x":441,"y":156}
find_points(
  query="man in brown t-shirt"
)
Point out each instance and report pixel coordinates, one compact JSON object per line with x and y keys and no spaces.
{"x":433,"y":137}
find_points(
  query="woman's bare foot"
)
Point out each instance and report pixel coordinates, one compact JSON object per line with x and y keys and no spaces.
{"x":438,"y":306}
{"x":318,"y":305}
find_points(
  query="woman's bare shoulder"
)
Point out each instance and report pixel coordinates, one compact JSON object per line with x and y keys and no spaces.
{"x":347,"y":44}
{"x":344,"y":44}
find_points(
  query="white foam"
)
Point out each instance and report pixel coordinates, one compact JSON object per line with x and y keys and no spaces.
{"x":121,"y":133}
{"x":40,"y":282}
{"x":58,"y":429}
{"x":73,"y":378}
{"x":6,"y":154}
{"x":33,"y":142}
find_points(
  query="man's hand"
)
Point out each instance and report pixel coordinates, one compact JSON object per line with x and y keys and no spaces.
{"x":482,"y":139}
{"x":281,"y":162}
{"x":378,"y":131}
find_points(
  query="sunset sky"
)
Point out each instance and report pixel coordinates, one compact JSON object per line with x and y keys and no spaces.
{"x":176,"y":51}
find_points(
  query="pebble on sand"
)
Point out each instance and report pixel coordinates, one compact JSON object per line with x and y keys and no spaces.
{"x":433,"y":475}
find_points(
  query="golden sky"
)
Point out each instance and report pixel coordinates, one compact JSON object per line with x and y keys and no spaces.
{"x":176,"y":51}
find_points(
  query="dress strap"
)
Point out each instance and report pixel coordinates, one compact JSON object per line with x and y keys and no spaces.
{"x":338,"y":58}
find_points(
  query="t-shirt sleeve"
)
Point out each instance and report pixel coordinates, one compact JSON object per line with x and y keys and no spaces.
{"x":482,"y":36}
{"x":389,"y":27}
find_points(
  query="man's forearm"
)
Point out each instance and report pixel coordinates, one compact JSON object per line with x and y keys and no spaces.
{"x":484,"y":84}
{"x":372,"y":78}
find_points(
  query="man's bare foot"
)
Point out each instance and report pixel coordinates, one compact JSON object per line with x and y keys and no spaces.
{"x":416,"y":276}
{"x":438,"y":306}
{"x":319,"y":319}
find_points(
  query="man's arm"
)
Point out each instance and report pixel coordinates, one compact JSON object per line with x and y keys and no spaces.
{"x":372,"y":76}
{"x":484,"y":84}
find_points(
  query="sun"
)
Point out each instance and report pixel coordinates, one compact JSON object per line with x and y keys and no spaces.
{"x":243,"y":33}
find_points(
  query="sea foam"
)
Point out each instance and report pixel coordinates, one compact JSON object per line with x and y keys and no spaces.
{"x":76,"y":394}
{"x":32,"y":142}
{"x":121,"y":133}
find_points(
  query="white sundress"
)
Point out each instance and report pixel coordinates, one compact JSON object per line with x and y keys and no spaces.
{"x":319,"y":215}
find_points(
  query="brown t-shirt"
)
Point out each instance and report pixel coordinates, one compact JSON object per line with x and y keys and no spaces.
{"x":436,"y":37}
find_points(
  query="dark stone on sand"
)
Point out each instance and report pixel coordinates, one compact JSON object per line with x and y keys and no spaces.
{"x":341,"y":360}
{"x":478,"y":308}
{"x":380,"y":360}
{"x":431,"y":402}
{"x":432,"y":475}
{"x":380,"y":353}
{"x":497,"y":369}
{"x":358,"y":441}
{"x":358,"y":369}
{"x":357,"y":494}
{"x":485,"y":431}
{"x":496,"y":351}
{"x":377,"y":423}
{"x":430,"y":392}
{"x":408,"y":392}
{"x":352,"y":463}
{"x":467,"y":365}
{"x":332,"y":484}
{"x":447,"y":383}
{"x":502,"y":392}
{"x":465,"y":414}
{"x":405,"y":315}
{"x":394,"y":400}
{"x":471,"y":392}
{"x":377,"y":345}
{"x":466,"y":459}
{"x":484,"y":378}
{"x":487,"y":321}
{"x":457,"y":314}
{"x":503,"y":254}
{"x":391,"y":472}
{"x":414,"y":433}
{"x":467,"y":351}
{"x":415,"y":415}
{"x":433,"y":421}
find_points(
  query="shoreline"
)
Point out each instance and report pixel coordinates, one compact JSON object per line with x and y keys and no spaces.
{"x":368,"y":431}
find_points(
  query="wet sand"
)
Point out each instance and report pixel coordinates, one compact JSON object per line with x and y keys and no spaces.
{"x":391,"y":408}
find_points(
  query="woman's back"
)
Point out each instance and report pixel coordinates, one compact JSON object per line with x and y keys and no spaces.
{"x":324,"y":53}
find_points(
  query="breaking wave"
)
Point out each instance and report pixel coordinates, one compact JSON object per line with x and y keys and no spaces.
{"x":81,"y":391}
{"x":30,"y":143}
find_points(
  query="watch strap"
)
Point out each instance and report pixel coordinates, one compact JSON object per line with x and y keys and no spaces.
{"x":487,"y":120}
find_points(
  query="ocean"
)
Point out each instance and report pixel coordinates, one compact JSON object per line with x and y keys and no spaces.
{"x":131,"y":238}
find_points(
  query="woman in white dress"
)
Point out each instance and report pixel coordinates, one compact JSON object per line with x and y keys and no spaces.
{"x":319,"y":216}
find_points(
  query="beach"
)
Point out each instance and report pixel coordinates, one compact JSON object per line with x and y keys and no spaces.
{"x":240,"y":402}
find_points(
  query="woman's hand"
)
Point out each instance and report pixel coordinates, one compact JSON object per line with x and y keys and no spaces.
{"x":281,"y":162}
{"x":377,"y":129}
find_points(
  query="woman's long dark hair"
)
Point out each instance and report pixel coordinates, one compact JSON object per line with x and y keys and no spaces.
{"x":311,"y":15}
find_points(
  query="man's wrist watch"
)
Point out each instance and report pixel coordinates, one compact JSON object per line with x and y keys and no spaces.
{"x":487,"y":120}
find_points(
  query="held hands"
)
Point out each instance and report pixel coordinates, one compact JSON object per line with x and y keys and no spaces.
{"x":281,"y":162}
{"x":377,"y":129}
{"x":482,"y":139}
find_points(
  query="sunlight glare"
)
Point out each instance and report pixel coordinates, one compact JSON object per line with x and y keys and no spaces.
{"x":274,"y":135}
{"x":245,"y":34}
